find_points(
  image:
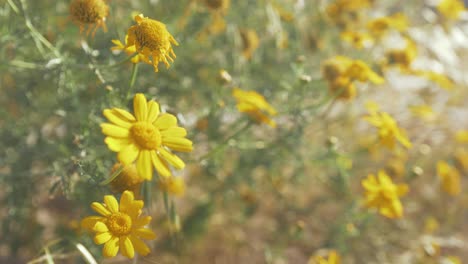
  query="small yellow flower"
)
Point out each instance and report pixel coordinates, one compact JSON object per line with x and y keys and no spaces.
{"x":148,"y":137}
{"x":250,"y":42}
{"x":388,"y":130}
{"x":120,"y":226}
{"x":450,"y":178}
{"x":333,"y":258}
{"x":89,"y":13}
{"x":254,"y":105}
{"x":335,"y":67}
{"x":402,"y":58}
{"x":151,"y":39}
{"x":451,"y":9}
{"x":128,"y":179}
{"x":380,"y":26}
{"x":172,"y":185}
{"x":383,"y":194}
{"x":360,"y":71}
{"x":462,"y":136}
{"x":359,"y":40}
{"x":130,"y":50}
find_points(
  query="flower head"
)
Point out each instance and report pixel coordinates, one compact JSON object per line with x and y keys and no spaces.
{"x":450,"y":178}
{"x":120,"y":226}
{"x":146,"y":137}
{"x":172,"y":185}
{"x":383,"y":194}
{"x":360,"y":71}
{"x":130,"y":50}
{"x":151,"y":39}
{"x":89,"y":13}
{"x":254,"y":105}
{"x":128,"y":179}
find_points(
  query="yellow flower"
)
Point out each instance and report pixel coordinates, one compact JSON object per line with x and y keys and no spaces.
{"x":172,"y":185}
{"x":335,"y":67}
{"x":450,"y":178}
{"x":147,"y":137}
{"x":333,"y":258}
{"x":89,"y":13}
{"x":381,"y":25}
{"x":250,"y":42}
{"x":440,"y":79}
{"x":359,"y":40}
{"x":462,"y":136}
{"x":128,"y":179}
{"x":402,"y":57}
{"x":151,"y":39}
{"x":383,"y":194}
{"x":120,"y":226}
{"x":254,"y":105}
{"x":360,"y":71}
{"x":451,"y":9}
{"x":343,"y":88}
{"x":388,"y":130}
{"x":130,"y":50}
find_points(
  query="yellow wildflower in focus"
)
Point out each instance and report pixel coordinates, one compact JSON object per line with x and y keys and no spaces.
{"x":451,"y":9}
{"x":250,"y":42}
{"x":130,"y":50}
{"x":172,"y":185}
{"x":423,"y":111}
{"x":381,"y":25}
{"x":333,"y":258}
{"x":359,"y":70}
{"x":461,"y":159}
{"x":450,"y":178}
{"x":128,"y":179}
{"x":148,"y":137}
{"x":388,"y":130}
{"x":462,"y":136}
{"x":254,"y":105}
{"x":383,"y":194}
{"x":151,"y":39}
{"x":359,"y":40}
{"x":120,"y":226}
{"x":89,"y":13}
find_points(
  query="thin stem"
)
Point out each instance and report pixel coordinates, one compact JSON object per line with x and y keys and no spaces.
{"x":132,"y":79}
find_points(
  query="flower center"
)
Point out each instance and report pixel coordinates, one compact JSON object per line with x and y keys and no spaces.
{"x":152,"y":35}
{"x":146,"y":135}
{"x":88,"y":11}
{"x":119,"y":224}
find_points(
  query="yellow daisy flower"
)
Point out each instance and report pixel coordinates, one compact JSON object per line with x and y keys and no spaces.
{"x":151,"y":39}
{"x":145,"y":137}
{"x":450,"y":178}
{"x":383,"y":194}
{"x":254,"y":105}
{"x":120,"y":226}
{"x":130,"y":50}
{"x":89,"y":13}
{"x":172,"y":185}
{"x":333,"y":258}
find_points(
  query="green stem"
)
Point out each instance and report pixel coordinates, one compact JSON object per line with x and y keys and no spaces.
{"x":132,"y":79}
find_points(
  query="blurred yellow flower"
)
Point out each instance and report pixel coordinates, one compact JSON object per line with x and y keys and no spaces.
{"x":462,"y":136}
{"x":402,"y":58}
{"x":388,"y":130}
{"x":250,"y":42}
{"x":89,"y":13}
{"x":128,"y":179}
{"x":440,"y":79}
{"x":359,"y":70}
{"x":449,"y":177}
{"x":335,"y":67}
{"x":254,"y":105}
{"x":451,"y":9}
{"x":120,"y":226}
{"x":147,"y":137}
{"x":461,"y":159}
{"x":130,"y":50}
{"x":381,"y":25}
{"x":343,"y":88}
{"x":172,"y":185}
{"x":359,"y":40}
{"x":333,"y":258}
{"x":151,"y":39}
{"x":383,"y":194}
{"x":422,"y":111}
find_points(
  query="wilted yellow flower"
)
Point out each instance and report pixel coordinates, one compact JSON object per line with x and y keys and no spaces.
{"x":451,"y":9}
{"x":388,"y":130}
{"x":130,"y":50}
{"x":380,"y":26}
{"x":128,"y":179}
{"x":333,"y":258}
{"x":423,"y":111}
{"x":383,"y":194}
{"x":359,"y":40}
{"x":151,"y":39}
{"x":89,"y":13}
{"x":172,"y":185}
{"x":450,"y":178}
{"x":120,"y":226}
{"x":462,"y":136}
{"x":250,"y":42}
{"x":254,"y":105}
{"x":461,"y":159}
{"x":360,"y":71}
{"x":147,"y":137}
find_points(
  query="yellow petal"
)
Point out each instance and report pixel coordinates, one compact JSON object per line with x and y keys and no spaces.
{"x":128,"y":154}
{"x":161,"y":166}
{"x":124,"y":114}
{"x":100,"y":209}
{"x":153,"y":111}
{"x":165,"y":121}
{"x":127,"y":247}
{"x":114,"y":131}
{"x":140,"y":107}
{"x":144,"y":233}
{"x":178,"y":144}
{"x":111,"y":248}
{"x":102,"y":238}
{"x":116,"y":144}
{"x":111,"y":203}
{"x":139,"y":246}
{"x":100,"y":227}
{"x":174,"y":132}
{"x":141,"y":222}
{"x":144,"y":166}
{"x":171,"y":158}
{"x":126,"y":201}
{"x":115,"y":117}
{"x":90,"y":221}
